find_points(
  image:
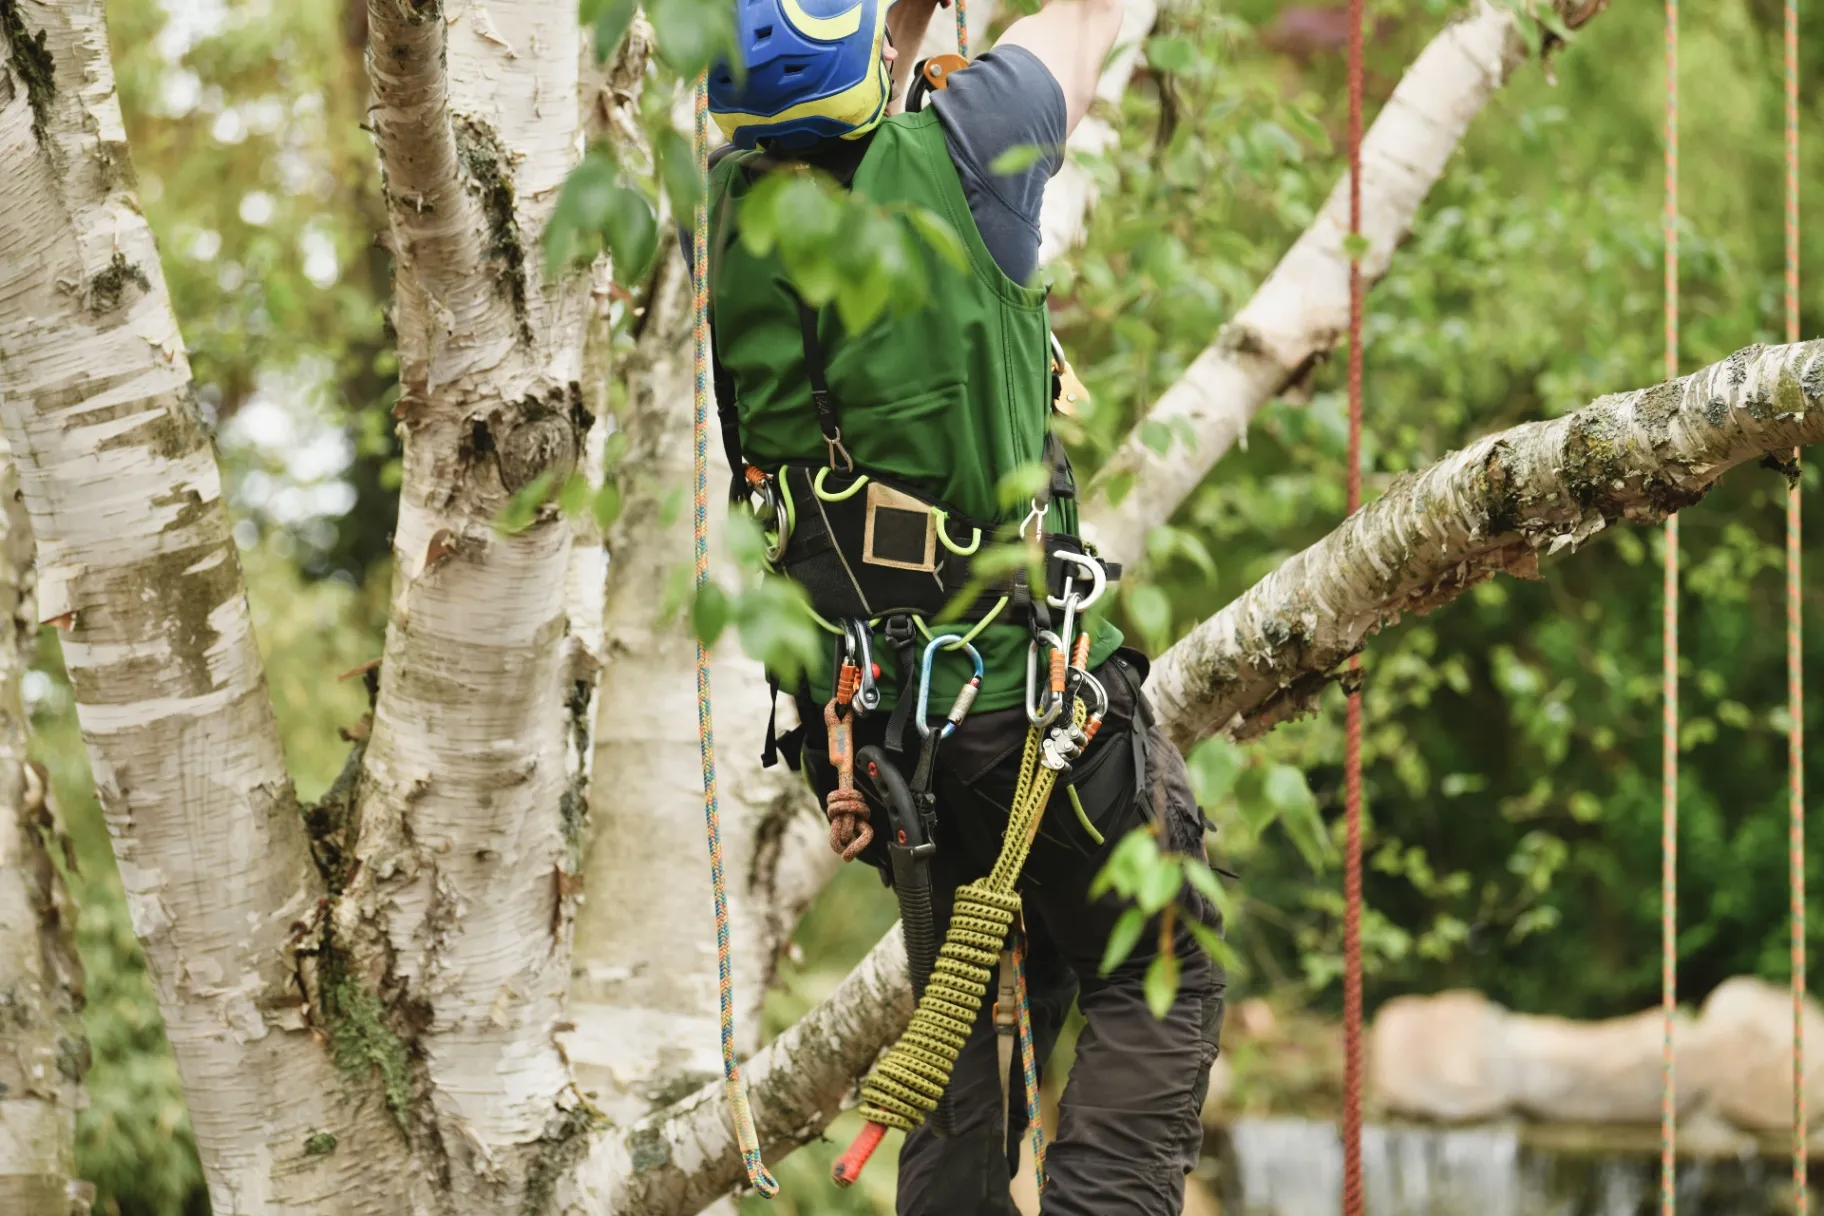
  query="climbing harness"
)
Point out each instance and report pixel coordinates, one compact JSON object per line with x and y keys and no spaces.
{"x":745,"y":1136}
{"x":1352,"y":739}
{"x":908,"y":1083}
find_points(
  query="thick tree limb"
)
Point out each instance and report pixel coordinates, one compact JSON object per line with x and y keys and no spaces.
{"x":41,"y":981}
{"x":1495,"y":506}
{"x":137,"y":565}
{"x":1302,"y":311}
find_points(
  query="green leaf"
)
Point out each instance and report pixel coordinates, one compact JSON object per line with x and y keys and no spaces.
{"x":1122,"y":940}
{"x":1151,"y":611}
{"x":581,"y":212}
{"x":1355,"y":246}
{"x":1200,"y":876}
{"x":611,"y":19}
{"x":613,"y":448}
{"x":1133,"y":856}
{"x":1173,"y":56}
{"x":1156,"y":435}
{"x":633,"y":234}
{"x":1213,"y":944}
{"x":746,"y":543}
{"x":1213,"y":768}
{"x":677,"y":169}
{"x":607,"y":505}
{"x":1161,"y":985}
{"x":1021,"y":484}
{"x":1018,"y":159}
{"x":690,"y":34}
{"x":574,"y":496}
{"x":523,"y":507}
{"x":940,"y":236}
{"x":1286,"y":788}
{"x":669,"y":507}
{"x":709,"y":613}
{"x":1159,"y":886}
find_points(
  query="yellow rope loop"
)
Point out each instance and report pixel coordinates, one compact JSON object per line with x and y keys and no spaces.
{"x":910,"y":1079}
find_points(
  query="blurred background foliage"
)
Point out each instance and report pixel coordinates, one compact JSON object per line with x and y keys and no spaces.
{"x":1513,"y":740}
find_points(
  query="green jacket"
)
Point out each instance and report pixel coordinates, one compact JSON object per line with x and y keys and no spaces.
{"x":949,"y":398}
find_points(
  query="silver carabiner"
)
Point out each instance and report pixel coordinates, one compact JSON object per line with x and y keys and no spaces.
{"x":1092,"y":568}
{"x":965,"y":698}
{"x":1042,"y":708}
{"x":861,"y":653}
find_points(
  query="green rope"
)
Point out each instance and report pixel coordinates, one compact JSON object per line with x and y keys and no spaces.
{"x":907,"y":1083}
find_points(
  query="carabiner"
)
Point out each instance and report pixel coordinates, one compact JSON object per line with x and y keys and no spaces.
{"x":861,"y":654}
{"x":1042,"y":708}
{"x":964,"y":698}
{"x":1091,"y":567}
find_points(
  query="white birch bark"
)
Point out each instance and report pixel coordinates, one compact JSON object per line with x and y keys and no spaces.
{"x":456,"y":912}
{"x":44,"y":1053}
{"x":1302,"y":311}
{"x":137,"y":566}
{"x":1497,"y":506}
{"x":682,"y":1158}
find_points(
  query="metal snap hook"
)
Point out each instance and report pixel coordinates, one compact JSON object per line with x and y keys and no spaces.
{"x":965,"y":698}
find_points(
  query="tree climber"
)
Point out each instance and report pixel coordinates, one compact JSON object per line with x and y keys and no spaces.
{"x":875,"y":459}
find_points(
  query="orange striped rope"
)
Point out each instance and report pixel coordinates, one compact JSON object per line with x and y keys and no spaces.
{"x":1795,"y":679}
{"x":1668,"y":1116}
{"x":1352,"y":745}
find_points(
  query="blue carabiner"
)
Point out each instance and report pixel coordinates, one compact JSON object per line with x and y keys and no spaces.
{"x":946,"y":641}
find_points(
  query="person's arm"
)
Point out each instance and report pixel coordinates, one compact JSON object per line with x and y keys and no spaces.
{"x":907,"y":22}
{"x":1072,"y":38}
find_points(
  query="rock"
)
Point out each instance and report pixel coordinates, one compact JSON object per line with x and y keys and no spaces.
{"x":1561,"y":1071}
{"x":1439,"y":1058}
{"x":1742,"y":1062}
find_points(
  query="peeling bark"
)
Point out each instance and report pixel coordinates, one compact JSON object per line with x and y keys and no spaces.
{"x":1301,"y":312}
{"x":1498,"y":505}
{"x":136,"y":565}
{"x":448,"y":945}
{"x":41,"y":981}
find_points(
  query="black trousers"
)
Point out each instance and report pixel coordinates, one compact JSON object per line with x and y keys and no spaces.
{"x":1128,"y":1128}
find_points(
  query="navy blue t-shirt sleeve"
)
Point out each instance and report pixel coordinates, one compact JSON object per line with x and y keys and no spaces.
{"x":1004,"y":102}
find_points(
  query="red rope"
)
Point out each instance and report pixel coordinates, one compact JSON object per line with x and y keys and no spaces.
{"x":1795,"y":680}
{"x":1352,"y":746}
{"x":1668,"y":1199}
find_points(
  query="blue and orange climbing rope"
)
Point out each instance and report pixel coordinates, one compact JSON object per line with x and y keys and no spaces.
{"x":1668,"y":1108}
{"x":1795,"y":678}
{"x":745,"y":1136}
{"x":1352,"y":739}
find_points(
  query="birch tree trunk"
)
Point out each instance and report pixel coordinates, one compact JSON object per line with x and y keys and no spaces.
{"x":1497,"y":506}
{"x":1302,"y":311}
{"x":458,"y":850}
{"x":137,"y":567}
{"x":41,"y":984}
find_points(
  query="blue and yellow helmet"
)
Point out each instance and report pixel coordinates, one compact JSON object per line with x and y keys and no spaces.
{"x":814,"y":71}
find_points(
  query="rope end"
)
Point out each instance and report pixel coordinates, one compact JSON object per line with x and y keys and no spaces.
{"x":848,"y":1167}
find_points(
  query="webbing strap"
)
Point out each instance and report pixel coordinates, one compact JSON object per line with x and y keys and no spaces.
{"x":816,"y":370}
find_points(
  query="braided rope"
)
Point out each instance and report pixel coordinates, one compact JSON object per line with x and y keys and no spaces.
{"x":911,"y":1077}
{"x":962,"y":28}
{"x":1668,"y":1114}
{"x":1352,"y":738}
{"x":745,"y":1135}
{"x":1795,"y":679}
{"x":1035,"y":1118}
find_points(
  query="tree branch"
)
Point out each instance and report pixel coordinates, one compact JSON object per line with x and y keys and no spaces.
{"x":137,"y":566}
{"x":681,"y":1159}
{"x":1302,"y":311}
{"x":1495,"y":506}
